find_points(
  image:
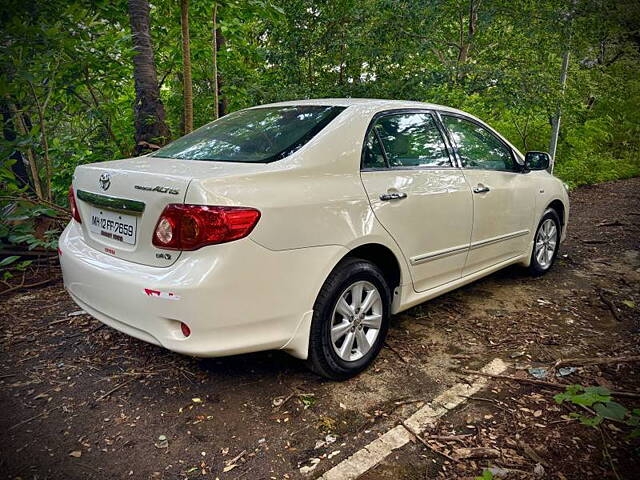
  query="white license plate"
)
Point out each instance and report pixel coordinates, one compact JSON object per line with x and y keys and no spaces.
{"x":114,"y":225}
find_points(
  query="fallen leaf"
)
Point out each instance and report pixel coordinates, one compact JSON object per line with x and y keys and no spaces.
{"x":75,"y":454}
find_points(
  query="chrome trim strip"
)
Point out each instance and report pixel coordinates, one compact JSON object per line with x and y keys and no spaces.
{"x":500,"y":238}
{"x":427,"y":257}
{"x":112,"y":203}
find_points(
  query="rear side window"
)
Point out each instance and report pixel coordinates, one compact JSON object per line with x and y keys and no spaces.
{"x":373,"y":154}
{"x":257,"y":135}
{"x":478,"y":148}
{"x":407,"y":140}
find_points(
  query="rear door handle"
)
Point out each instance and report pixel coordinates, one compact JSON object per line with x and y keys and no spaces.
{"x":393,"y":196}
{"x":480,"y":188}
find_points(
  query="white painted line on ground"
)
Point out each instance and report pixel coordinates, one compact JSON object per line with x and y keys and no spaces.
{"x":370,"y":455}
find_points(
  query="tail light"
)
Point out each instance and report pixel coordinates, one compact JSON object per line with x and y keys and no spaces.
{"x":75,"y":213}
{"x":189,"y":227}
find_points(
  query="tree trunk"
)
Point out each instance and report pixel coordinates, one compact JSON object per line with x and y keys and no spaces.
{"x":187,"y":84}
{"x":222,"y":100}
{"x":151,"y":128}
{"x":214,"y":44}
{"x":23,"y":125}
{"x":19,"y":168}
{"x":42,"y":107}
{"x":555,"y":122}
{"x":465,"y":43}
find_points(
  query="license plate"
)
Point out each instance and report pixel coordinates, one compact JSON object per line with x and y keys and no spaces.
{"x":114,"y":225}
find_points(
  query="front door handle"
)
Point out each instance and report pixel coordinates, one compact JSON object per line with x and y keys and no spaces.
{"x":393,"y":196}
{"x":480,"y":188}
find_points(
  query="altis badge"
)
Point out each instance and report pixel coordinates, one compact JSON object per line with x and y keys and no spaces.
{"x":157,"y":188}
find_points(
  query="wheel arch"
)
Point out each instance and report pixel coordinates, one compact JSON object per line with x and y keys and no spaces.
{"x":381,"y":256}
{"x":560,"y":209}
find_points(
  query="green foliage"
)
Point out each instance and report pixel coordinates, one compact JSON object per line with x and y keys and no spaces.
{"x":10,"y":263}
{"x":72,"y":62}
{"x":307,"y":400}
{"x":580,"y":395}
{"x":600,"y":399}
{"x":486,"y":475}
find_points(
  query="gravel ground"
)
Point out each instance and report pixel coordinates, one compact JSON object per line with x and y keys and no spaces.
{"x":80,"y":400}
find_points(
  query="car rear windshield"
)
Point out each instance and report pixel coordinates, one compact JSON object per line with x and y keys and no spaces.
{"x":257,"y":135}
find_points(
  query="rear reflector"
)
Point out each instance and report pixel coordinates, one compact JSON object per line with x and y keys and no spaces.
{"x":189,"y":227}
{"x":186,"y":331}
{"x":73,"y":206}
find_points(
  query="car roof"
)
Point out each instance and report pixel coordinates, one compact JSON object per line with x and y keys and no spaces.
{"x":362,"y":102}
{"x":379,"y":104}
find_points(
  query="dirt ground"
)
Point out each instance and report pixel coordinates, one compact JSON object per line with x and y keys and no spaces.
{"x":80,"y":400}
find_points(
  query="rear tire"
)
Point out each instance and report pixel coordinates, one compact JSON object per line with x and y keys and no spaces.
{"x":350,"y":320}
{"x":546,"y":243}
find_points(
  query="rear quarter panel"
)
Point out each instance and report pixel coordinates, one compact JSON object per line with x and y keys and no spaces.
{"x":313,"y":198}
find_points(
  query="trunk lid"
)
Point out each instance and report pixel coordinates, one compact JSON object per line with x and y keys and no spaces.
{"x":120,"y":201}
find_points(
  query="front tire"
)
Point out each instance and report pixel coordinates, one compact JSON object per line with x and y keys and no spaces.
{"x":350,"y":320}
{"x":546,"y":243}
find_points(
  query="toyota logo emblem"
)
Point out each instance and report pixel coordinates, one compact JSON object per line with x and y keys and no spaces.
{"x":105,"y":181}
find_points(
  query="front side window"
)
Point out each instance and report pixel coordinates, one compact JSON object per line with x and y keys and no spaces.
{"x":478,"y":148}
{"x":407,"y":140}
{"x":257,"y":135}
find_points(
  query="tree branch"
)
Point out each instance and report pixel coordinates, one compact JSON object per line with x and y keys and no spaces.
{"x":38,"y":201}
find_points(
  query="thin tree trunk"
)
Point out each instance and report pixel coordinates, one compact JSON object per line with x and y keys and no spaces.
{"x":222,"y":100}
{"x":45,"y":150}
{"x":555,"y":123}
{"x":150,"y":125}
{"x":214,"y":44}
{"x":19,"y":168}
{"x":105,"y":120}
{"x":465,"y":43}
{"x":22,"y":130}
{"x":187,"y":84}
{"x":42,"y":107}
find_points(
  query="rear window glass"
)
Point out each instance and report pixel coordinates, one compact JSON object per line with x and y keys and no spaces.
{"x":257,"y":135}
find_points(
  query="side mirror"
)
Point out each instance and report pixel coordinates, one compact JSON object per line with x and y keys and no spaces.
{"x":536,"y":161}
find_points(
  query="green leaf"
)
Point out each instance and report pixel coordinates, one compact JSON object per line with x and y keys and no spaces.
{"x":486,"y":475}
{"x":597,"y":390}
{"x":588,"y":421}
{"x":610,"y":410}
{"x":8,"y":260}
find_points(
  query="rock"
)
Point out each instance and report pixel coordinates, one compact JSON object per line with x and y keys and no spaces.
{"x":538,"y":372}
{"x":310,"y":468}
{"x":162,"y":442}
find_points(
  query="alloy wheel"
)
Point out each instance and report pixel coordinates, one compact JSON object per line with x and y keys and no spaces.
{"x":546,"y":241}
{"x":356,"y":321}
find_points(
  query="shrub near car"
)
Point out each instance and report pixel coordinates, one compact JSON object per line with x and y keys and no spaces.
{"x":302,"y":226}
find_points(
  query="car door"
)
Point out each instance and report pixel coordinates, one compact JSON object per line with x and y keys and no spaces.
{"x":503,"y":196}
{"x":418,"y":195}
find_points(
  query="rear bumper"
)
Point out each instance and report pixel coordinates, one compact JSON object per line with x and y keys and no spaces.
{"x":237,"y":297}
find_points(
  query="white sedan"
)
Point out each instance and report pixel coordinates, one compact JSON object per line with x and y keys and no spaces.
{"x":302,"y":226}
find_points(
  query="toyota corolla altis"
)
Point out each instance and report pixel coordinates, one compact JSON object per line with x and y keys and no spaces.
{"x":302,"y":226}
